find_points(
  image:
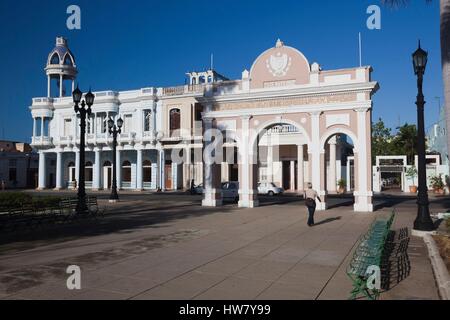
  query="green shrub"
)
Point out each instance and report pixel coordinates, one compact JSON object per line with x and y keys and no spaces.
{"x":14,"y":199}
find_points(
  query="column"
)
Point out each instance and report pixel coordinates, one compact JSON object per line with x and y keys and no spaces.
{"x":42,"y":126}
{"x":97,"y":170}
{"x":162,"y":169}
{"x":332,"y":183}
{"x":248,"y":194}
{"x":34,"y":127}
{"x":59,"y":171}
{"x":212,"y":194}
{"x":61,"y":85}
{"x":292,"y":174}
{"x":118,"y":170}
{"x":187,"y":168}
{"x":317,"y":153}
{"x":77,"y":167}
{"x":139,"y":171}
{"x":48,"y":87}
{"x":363,"y":168}
{"x":269,"y":162}
{"x":300,"y":169}
{"x":42,"y":172}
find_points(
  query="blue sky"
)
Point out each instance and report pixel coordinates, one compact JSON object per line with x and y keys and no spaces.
{"x":133,"y":44}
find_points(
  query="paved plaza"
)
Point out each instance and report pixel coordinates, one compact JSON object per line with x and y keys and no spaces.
{"x":166,"y":246}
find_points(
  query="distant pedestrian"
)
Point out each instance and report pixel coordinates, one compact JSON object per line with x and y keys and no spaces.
{"x":3,"y":185}
{"x":310,"y":201}
{"x":192,"y":187}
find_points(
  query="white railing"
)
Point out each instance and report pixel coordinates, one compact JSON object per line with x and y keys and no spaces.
{"x":43,"y":140}
{"x":285,"y":128}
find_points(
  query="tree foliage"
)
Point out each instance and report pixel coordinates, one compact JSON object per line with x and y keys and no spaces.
{"x":384,"y":143}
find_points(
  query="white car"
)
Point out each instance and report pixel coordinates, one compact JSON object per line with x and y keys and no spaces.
{"x":269,"y":188}
{"x":230,"y":191}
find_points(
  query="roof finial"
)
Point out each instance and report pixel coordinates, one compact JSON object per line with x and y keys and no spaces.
{"x":279,"y":43}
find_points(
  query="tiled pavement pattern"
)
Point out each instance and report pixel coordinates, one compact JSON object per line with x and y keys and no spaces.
{"x":168,"y":247}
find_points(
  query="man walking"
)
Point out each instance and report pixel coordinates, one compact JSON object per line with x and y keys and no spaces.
{"x":310,"y":201}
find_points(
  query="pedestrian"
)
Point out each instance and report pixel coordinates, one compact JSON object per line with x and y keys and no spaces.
{"x":3,"y":185}
{"x":192,"y":188}
{"x":310,"y":201}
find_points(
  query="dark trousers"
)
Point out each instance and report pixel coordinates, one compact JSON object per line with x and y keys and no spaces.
{"x":311,"y":211}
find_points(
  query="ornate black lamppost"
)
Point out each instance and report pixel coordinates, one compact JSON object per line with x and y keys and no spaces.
{"x":114,"y":130}
{"x":83,"y":107}
{"x":423,"y":221}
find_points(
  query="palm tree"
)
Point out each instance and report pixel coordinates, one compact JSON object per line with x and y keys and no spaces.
{"x":445,"y":50}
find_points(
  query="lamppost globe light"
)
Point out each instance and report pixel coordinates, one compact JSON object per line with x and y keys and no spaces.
{"x":120,"y":123}
{"x":110,"y":123}
{"x":90,"y":98}
{"x":77,"y":95}
{"x":420,"y":59}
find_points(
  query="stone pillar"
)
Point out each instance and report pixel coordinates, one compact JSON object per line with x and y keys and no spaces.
{"x":317,"y":167}
{"x":162,"y":169}
{"x":118,"y":169}
{"x":61,"y":85}
{"x":332,"y":182}
{"x":34,"y":128}
{"x":77,"y":167}
{"x":269,"y":162}
{"x":42,"y":126}
{"x":139,"y":171}
{"x":97,"y":170}
{"x":300,"y":169}
{"x":59,"y":171}
{"x":212,"y":194}
{"x":187,"y":168}
{"x":363,"y":168}
{"x":248,"y":194}
{"x":42,"y":172}
{"x":49,"y":85}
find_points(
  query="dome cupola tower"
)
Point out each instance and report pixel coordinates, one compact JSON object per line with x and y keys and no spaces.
{"x":61,"y":69}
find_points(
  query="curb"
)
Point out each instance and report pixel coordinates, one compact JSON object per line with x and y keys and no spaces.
{"x":439,"y":268}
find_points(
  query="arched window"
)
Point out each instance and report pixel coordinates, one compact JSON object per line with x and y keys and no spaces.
{"x":68,"y":60}
{"x":175,"y":121}
{"x":107,"y":164}
{"x":88,"y":172}
{"x":126,"y":171}
{"x":147,"y":171}
{"x":54,"y":59}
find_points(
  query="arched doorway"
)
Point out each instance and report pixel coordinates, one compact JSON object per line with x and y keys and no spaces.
{"x":126,"y":174}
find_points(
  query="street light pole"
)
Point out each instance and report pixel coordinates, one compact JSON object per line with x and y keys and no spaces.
{"x":423,"y":221}
{"x":114,"y":130}
{"x":83,"y":107}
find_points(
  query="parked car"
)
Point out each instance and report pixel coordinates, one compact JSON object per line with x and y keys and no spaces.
{"x":269,"y":188}
{"x":230,"y":191}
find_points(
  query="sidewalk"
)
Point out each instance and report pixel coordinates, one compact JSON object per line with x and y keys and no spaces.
{"x":182,"y":251}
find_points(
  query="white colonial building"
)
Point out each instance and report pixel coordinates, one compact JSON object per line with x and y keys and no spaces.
{"x":285,"y":121}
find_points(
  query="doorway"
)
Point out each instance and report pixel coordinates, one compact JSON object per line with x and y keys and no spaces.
{"x":286,"y":174}
{"x":168,"y":176}
{"x":107,"y":175}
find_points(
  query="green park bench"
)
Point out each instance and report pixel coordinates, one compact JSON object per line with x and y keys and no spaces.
{"x":369,"y":252}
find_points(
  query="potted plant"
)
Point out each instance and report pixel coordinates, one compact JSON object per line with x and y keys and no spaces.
{"x":437,"y":184}
{"x":341,"y":186}
{"x":411,"y":174}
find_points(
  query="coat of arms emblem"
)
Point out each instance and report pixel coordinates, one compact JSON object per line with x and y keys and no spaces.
{"x":279,"y":64}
